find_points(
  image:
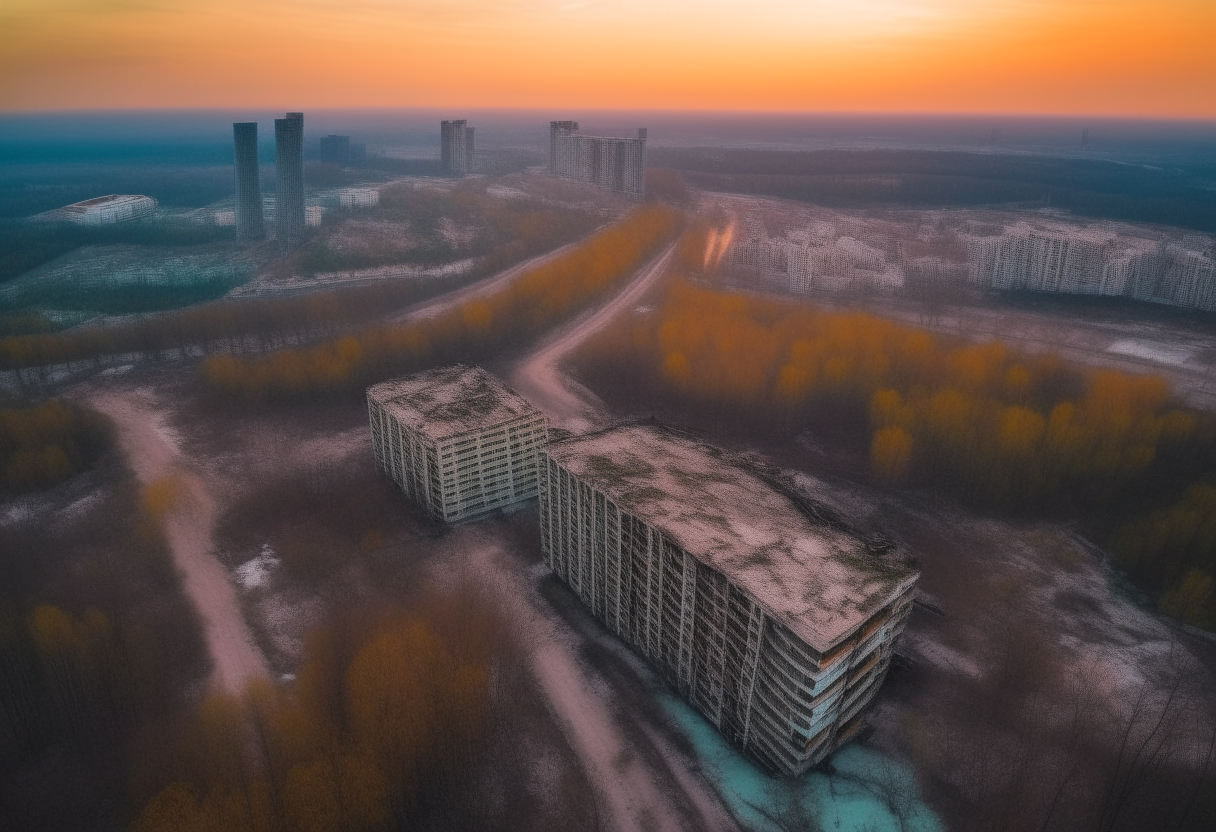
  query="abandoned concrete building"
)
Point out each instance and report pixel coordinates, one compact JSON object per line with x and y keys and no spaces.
{"x":457,"y":440}
{"x":776,"y":625}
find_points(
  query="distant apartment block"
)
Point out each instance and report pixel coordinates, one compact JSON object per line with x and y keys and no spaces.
{"x":289,"y":217}
{"x":312,"y":216}
{"x":341,"y":150}
{"x":614,"y":164}
{"x":107,"y":210}
{"x":248,"y":219}
{"x":776,"y":625}
{"x":457,"y":440}
{"x":456,"y":147}
{"x":358,"y":197}
{"x":1047,"y":257}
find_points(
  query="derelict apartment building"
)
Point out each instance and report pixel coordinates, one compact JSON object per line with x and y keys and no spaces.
{"x":457,"y":440}
{"x":250,"y":224}
{"x":614,"y":164}
{"x":289,"y":180}
{"x":776,"y":626}
{"x":456,"y":141}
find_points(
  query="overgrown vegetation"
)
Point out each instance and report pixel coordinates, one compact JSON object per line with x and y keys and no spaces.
{"x":45,"y":445}
{"x":378,"y":732}
{"x":97,"y":647}
{"x":479,"y":326}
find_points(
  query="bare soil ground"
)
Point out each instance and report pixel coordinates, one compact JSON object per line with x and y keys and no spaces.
{"x":152,"y":452}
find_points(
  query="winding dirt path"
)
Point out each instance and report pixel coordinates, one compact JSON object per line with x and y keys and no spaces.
{"x":538,"y":377}
{"x":150,"y":450}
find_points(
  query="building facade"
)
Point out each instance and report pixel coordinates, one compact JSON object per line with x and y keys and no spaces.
{"x":359,"y":197}
{"x":614,"y":164}
{"x":109,"y":209}
{"x":250,"y":224}
{"x":1093,"y":261}
{"x":289,"y":180}
{"x":457,"y":441}
{"x":778,"y":627}
{"x":456,"y":147}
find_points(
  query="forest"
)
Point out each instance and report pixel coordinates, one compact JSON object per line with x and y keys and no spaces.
{"x":479,"y":326}
{"x":922,"y":178}
{"x":998,"y":429}
{"x":45,"y":445}
{"x":98,"y":648}
{"x":381,"y":729}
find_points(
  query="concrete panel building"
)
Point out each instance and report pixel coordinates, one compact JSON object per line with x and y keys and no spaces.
{"x":109,"y":209}
{"x":457,"y":440}
{"x":359,"y":197}
{"x":289,"y":180}
{"x":456,"y":140}
{"x":614,"y":164}
{"x":250,"y":224}
{"x":776,"y":625}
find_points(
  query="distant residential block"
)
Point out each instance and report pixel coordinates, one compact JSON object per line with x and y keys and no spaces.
{"x":312,"y":215}
{"x":105,"y":210}
{"x":777,"y":625}
{"x":457,"y":440}
{"x":358,"y":197}
{"x":335,"y":149}
{"x":456,"y":147}
{"x":614,"y":164}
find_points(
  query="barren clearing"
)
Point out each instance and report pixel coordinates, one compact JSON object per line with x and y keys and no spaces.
{"x":151,"y":451}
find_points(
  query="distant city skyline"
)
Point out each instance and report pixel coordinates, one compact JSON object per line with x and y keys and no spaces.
{"x":1119,"y":58}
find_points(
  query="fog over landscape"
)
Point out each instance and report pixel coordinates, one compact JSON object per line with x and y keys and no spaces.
{"x":608,"y":417}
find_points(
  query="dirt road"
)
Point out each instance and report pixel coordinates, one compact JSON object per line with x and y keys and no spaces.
{"x":538,"y":377}
{"x":151,"y":451}
{"x":431,"y":308}
{"x":641,"y":782}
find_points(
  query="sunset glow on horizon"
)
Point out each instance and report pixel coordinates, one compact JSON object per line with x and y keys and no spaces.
{"x":1120,"y":57}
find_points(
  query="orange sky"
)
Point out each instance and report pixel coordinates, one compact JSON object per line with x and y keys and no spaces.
{"x":1100,"y":57}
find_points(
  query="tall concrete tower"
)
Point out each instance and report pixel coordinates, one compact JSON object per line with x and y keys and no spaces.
{"x":249,"y":224}
{"x":289,"y":180}
{"x":456,"y":147}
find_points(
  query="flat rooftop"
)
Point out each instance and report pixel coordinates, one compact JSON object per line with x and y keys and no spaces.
{"x":110,"y":199}
{"x":820,"y":581}
{"x":449,"y":401}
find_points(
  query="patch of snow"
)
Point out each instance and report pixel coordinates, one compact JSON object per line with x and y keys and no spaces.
{"x":1152,"y":351}
{"x":256,"y":573}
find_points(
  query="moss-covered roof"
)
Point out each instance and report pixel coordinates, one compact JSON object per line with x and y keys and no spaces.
{"x":820,"y":580}
{"x":449,"y":401}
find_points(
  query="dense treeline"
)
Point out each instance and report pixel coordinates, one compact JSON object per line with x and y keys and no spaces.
{"x":97,"y":644}
{"x":1001,"y":429}
{"x":850,"y":178}
{"x":45,"y":445}
{"x":381,"y":730}
{"x":530,"y":304}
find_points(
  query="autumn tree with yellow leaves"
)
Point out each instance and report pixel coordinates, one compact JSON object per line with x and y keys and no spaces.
{"x":1002,"y":429}
{"x":370,"y":736}
{"x":531,"y":303}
